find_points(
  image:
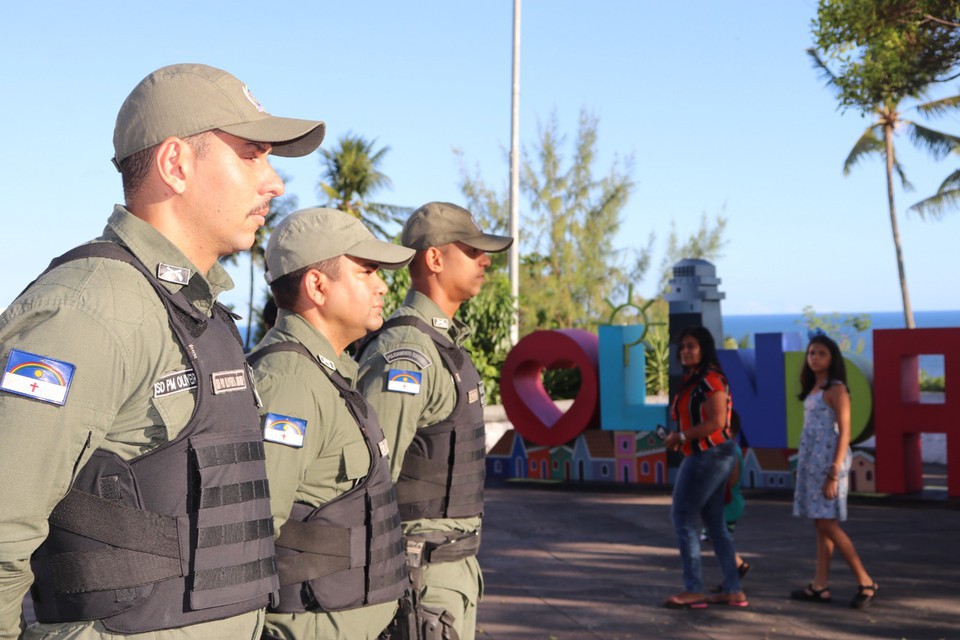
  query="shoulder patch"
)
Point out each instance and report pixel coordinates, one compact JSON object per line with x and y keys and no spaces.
{"x":38,"y":377}
{"x":406,"y":353}
{"x":284,"y":429}
{"x":327,"y":362}
{"x":404,"y":381}
{"x":441,"y":323}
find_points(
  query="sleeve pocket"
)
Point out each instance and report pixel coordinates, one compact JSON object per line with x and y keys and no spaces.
{"x":354,"y":461}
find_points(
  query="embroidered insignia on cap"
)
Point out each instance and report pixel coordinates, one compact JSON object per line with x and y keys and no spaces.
{"x":404,"y":381}
{"x":284,"y":429}
{"x":170,"y":273}
{"x":228,"y":381}
{"x":175,"y":383}
{"x":44,"y":379}
{"x":327,"y":362}
{"x":441,"y":323}
{"x":384,"y":447}
{"x":405,"y":353}
{"x":253,"y":101}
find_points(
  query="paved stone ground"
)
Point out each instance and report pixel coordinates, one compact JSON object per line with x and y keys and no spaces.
{"x":566,"y":562}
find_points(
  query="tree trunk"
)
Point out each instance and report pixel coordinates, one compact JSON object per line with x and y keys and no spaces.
{"x":904,"y":292}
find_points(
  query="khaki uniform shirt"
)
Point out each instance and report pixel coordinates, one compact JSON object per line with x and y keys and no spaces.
{"x":103,"y":317}
{"x":333,"y":458}
{"x":401,"y":414}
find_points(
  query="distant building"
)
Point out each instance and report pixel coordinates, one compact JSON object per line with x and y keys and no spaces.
{"x":768,"y":468}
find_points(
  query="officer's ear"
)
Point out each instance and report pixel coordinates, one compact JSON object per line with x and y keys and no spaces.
{"x":433,"y":259}
{"x":172,"y":159}
{"x":313,"y":287}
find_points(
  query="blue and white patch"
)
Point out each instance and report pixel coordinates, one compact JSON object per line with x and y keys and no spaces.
{"x":38,"y":377}
{"x":284,"y":429}
{"x":404,"y":381}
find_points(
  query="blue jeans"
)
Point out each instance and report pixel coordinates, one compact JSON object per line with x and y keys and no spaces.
{"x":698,"y":495}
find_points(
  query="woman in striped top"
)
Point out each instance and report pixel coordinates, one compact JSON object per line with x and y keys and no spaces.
{"x":702,"y":409}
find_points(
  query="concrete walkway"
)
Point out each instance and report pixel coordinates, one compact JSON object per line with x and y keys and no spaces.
{"x":567,"y":562}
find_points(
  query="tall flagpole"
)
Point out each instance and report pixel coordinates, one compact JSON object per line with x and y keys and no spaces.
{"x":515,"y":179}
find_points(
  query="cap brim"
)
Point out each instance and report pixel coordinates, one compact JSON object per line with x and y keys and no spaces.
{"x":489,"y":242}
{"x":290,"y":137}
{"x":386,"y":254}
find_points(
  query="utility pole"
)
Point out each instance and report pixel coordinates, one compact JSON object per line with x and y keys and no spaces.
{"x":515,"y":179}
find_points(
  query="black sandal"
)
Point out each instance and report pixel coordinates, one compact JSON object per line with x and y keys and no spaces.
{"x":809,"y":594}
{"x":863,"y":600}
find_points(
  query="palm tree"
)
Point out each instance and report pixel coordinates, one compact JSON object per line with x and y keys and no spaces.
{"x":878,"y":139}
{"x":351,"y":176}
{"x":279,"y":209}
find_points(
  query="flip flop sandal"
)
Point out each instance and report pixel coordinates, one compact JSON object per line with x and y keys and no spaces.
{"x":673,"y":603}
{"x":809,"y":594}
{"x":728,"y":602}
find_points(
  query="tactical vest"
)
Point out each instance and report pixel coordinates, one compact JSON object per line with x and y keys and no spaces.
{"x":349,"y":552}
{"x":182,"y":534}
{"x":444,"y":467}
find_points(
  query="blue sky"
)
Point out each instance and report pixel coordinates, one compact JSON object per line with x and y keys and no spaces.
{"x":716,"y":101}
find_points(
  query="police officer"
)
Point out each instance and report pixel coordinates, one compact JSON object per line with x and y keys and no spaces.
{"x":417,"y":375}
{"x":134,"y":493}
{"x":342,"y":565}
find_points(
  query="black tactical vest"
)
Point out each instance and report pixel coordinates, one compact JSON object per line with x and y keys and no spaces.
{"x":444,"y":467}
{"x":349,"y":552}
{"x":183,"y":533}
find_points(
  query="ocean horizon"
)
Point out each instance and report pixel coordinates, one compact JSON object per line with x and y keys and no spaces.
{"x":738,"y":326}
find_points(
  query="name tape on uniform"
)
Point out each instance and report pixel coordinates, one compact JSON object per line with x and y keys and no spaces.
{"x":229,"y":381}
{"x":175,"y":383}
{"x":284,"y":429}
{"x":406,"y":353}
{"x":37,"y":377}
{"x":404,"y":381}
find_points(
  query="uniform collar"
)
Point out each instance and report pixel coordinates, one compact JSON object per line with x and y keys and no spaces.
{"x":292,"y":327}
{"x":434,"y":316}
{"x":160,"y":256}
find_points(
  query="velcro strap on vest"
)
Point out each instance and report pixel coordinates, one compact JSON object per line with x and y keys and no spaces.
{"x":233,"y":533}
{"x":82,"y":571}
{"x":315,"y":538}
{"x":117,"y":525}
{"x":306,"y":567}
{"x":229,"y":453}
{"x":221,"y":577}
{"x":234,"y":493}
{"x":388,"y":579}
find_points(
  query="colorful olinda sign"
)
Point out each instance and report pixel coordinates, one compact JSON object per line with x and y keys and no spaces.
{"x":607,"y":434}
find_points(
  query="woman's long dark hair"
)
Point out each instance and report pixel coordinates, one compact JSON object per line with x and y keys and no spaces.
{"x":708,"y":348}
{"x":708,"y":360}
{"x":836,"y":372}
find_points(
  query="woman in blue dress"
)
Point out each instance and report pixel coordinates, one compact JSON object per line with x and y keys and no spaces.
{"x":823,"y":466}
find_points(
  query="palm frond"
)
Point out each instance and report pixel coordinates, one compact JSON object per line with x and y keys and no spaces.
{"x":939,"y":144}
{"x":868,"y":144}
{"x":946,"y":198}
{"x":937,"y":205}
{"x":940,"y":107}
{"x":828,"y":77}
{"x":907,"y":185}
